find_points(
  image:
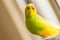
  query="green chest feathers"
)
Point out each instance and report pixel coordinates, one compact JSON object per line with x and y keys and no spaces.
{"x":34,"y":26}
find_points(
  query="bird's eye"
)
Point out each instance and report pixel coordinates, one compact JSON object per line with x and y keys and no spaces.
{"x":28,"y":8}
{"x":32,"y":7}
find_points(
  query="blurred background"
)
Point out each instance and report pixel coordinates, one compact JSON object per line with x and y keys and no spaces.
{"x":12,"y":17}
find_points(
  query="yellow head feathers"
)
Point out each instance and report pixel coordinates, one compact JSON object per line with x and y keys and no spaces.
{"x":30,"y":10}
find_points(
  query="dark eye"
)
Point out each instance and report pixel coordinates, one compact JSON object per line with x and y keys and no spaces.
{"x":28,"y":8}
{"x":32,"y":7}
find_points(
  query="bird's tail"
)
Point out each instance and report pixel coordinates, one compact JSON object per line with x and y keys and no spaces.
{"x":58,"y":36}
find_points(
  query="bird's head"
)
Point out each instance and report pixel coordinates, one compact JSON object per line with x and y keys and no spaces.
{"x":30,"y":10}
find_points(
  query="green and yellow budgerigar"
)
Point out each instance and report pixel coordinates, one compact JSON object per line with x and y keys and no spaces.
{"x":38,"y":25}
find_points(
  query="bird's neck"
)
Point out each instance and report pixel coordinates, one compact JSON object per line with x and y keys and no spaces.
{"x":31,"y":16}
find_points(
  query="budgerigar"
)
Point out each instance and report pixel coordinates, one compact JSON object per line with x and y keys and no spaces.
{"x":38,"y":25}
